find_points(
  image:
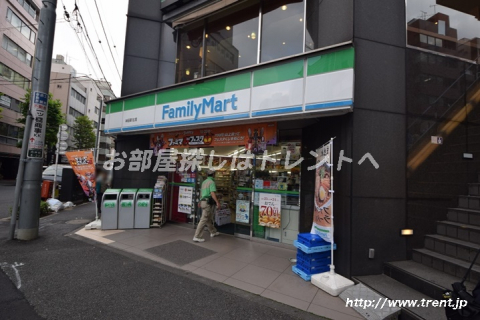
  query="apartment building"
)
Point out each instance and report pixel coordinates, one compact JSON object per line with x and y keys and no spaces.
{"x":18,"y":34}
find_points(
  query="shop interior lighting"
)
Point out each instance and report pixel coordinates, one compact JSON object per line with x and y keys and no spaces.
{"x":228,"y":27}
{"x":206,"y":35}
{"x":187,"y":72}
{"x":284,"y":7}
{"x":188,"y":47}
{"x":406,"y":232}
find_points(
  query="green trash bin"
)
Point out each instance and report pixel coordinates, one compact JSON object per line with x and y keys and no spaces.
{"x":110,"y":209}
{"x":143,"y":208}
{"x":126,"y":210}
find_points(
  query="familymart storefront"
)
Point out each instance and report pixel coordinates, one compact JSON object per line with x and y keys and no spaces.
{"x":255,"y":126}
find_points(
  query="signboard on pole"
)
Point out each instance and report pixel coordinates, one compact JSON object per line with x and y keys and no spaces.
{"x":270,"y":206}
{"x":185,"y":197}
{"x":84,"y":167}
{"x":36,"y":139}
{"x":323,"y":198}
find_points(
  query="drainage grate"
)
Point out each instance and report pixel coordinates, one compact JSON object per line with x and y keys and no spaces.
{"x":180,"y":252}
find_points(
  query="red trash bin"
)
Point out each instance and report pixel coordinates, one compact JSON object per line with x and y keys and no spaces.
{"x":46,"y":189}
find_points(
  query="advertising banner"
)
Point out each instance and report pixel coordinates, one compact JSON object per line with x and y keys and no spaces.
{"x":323,"y":198}
{"x":185,"y":196}
{"x":270,"y":206}
{"x":243,"y":211}
{"x":255,"y":137}
{"x":36,"y":139}
{"x":84,"y":167}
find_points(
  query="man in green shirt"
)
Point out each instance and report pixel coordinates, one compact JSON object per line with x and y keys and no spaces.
{"x":207,"y":191}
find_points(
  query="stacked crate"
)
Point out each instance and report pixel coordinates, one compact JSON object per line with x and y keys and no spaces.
{"x":313,"y":255}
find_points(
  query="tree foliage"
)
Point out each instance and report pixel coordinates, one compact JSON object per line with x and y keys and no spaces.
{"x":83,"y":135}
{"x":54,"y":118}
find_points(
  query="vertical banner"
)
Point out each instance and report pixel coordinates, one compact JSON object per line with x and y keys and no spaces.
{"x":243,"y":211}
{"x":36,"y":139}
{"x":270,"y":206}
{"x":84,"y":167}
{"x":185,"y":198}
{"x":323,"y":198}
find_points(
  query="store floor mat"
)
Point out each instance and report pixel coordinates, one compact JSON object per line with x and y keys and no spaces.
{"x":180,"y":252}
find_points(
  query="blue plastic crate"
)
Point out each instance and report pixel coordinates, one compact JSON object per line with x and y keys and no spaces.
{"x":313,"y":256}
{"x":309,"y":250}
{"x":313,"y":263}
{"x":313,"y":270}
{"x":311,"y":240}
{"x":302,"y":274}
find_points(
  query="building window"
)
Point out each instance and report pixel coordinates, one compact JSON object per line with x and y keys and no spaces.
{"x":74,"y":113}
{"x":452,"y":28}
{"x":282,"y":32}
{"x":229,"y":39}
{"x":232,"y":39}
{"x":97,"y":110}
{"x":16,"y":50}
{"x":9,"y":134}
{"x":10,"y":103}
{"x":190,"y":52}
{"x":74,"y":93}
{"x":21,"y":26}
{"x":10,"y":75}
{"x":29,"y":7}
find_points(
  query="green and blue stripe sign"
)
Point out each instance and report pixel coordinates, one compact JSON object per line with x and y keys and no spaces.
{"x":303,"y":87}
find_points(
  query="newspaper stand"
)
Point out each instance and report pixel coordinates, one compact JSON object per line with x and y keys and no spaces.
{"x":159,"y":216}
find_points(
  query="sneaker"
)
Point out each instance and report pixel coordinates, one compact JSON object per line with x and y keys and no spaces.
{"x":214,"y":234}
{"x":198,"y":239}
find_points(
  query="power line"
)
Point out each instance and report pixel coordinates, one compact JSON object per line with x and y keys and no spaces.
{"x":108,"y":43}
{"x":91,"y":47}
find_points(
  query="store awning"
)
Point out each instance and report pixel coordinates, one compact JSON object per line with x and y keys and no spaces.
{"x":202,"y":11}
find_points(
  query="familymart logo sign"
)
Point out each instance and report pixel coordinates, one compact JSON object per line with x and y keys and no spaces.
{"x":201,"y":107}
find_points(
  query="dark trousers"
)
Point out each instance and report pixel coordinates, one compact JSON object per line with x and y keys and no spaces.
{"x":99,"y":203}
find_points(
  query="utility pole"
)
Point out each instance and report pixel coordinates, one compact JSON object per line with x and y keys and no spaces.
{"x":28,"y":221}
{"x":97,"y":138}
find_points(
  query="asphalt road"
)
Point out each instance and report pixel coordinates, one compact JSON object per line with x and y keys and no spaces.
{"x":64,"y":276}
{"x":7,"y":191}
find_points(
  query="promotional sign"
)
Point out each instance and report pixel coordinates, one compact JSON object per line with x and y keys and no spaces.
{"x":323,"y":198}
{"x":243,"y":211}
{"x":185,"y":196}
{"x":270,"y":206}
{"x":39,"y":123}
{"x":84,"y":167}
{"x":255,"y":137}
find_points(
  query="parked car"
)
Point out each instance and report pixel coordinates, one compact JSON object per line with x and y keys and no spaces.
{"x":48,"y":174}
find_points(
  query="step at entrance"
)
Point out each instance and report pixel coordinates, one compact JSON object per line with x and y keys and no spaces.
{"x":444,"y":260}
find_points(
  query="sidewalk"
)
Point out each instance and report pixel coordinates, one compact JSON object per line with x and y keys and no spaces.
{"x":258,"y":268}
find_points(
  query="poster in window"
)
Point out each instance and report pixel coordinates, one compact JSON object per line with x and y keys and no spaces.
{"x":243,"y":211}
{"x":270,"y":210}
{"x":185,"y":196}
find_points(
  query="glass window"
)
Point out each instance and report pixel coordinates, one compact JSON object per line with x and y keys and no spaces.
{"x":20,"y":25}
{"x":282,"y":34}
{"x":190,"y":52}
{"x":232,"y":40}
{"x":423,"y":38}
{"x":456,"y":24}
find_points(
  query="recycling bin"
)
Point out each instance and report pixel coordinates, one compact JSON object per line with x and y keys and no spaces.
{"x":143,"y":208}
{"x":126,"y":209}
{"x":110,"y":209}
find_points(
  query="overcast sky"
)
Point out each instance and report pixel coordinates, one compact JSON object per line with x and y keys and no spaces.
{"x":113,"y":13}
